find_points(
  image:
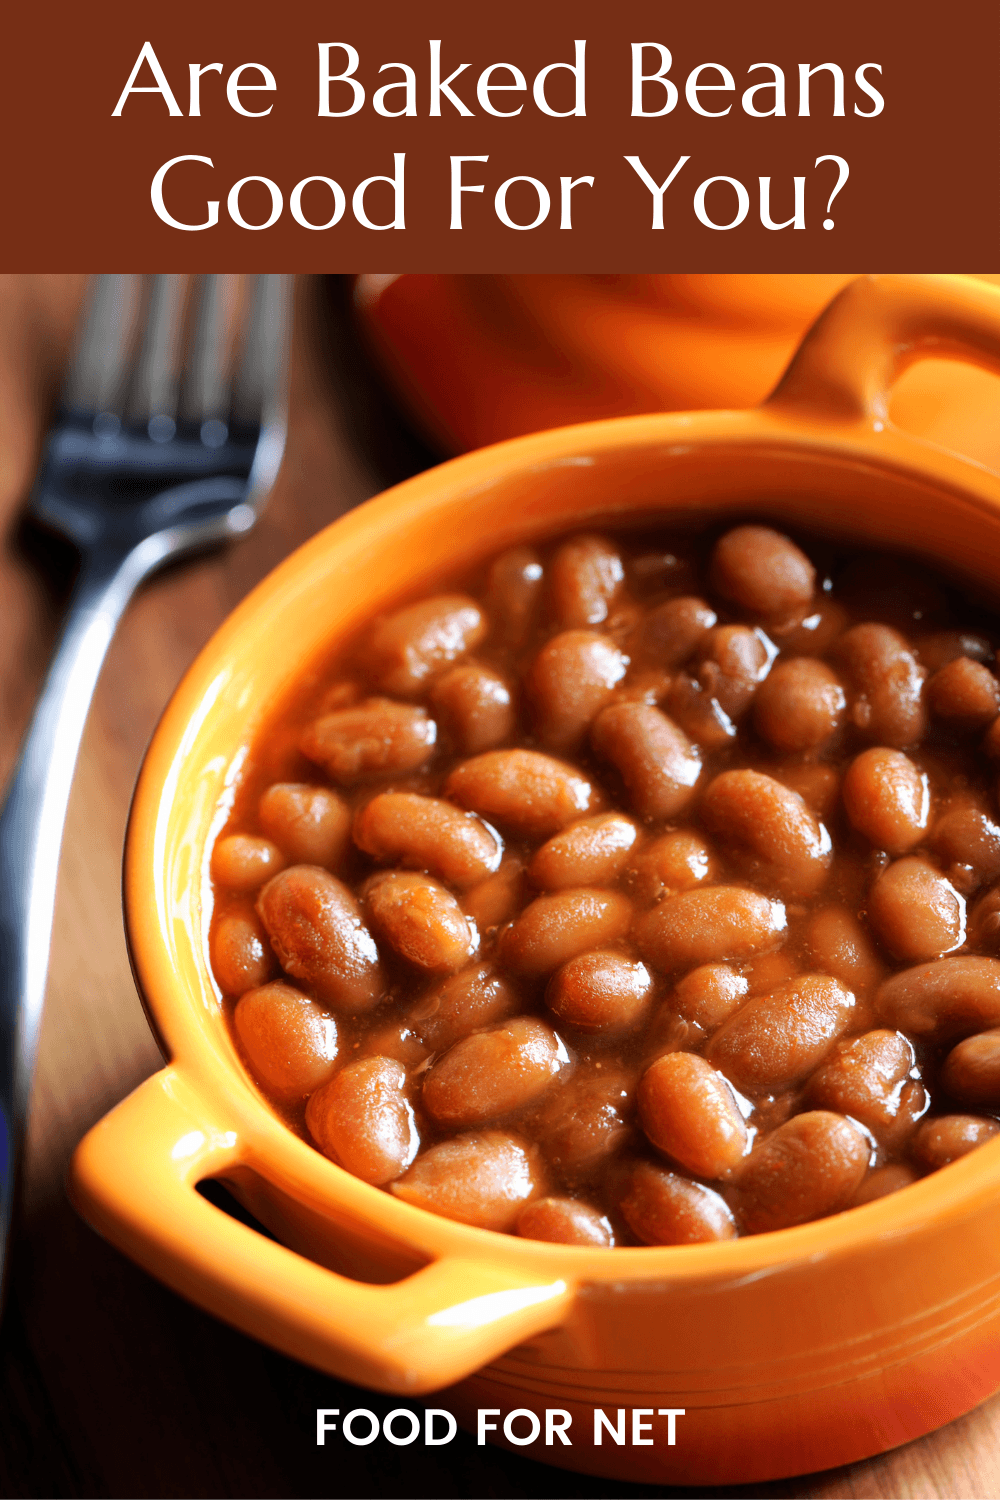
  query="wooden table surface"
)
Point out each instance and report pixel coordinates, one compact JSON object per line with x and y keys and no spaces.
{"x":111,"y":1385}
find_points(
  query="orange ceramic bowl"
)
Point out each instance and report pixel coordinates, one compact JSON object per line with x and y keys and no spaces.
{"x":787,"y":1352}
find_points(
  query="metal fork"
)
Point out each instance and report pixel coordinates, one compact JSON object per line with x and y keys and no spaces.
{"x":169,"y":438}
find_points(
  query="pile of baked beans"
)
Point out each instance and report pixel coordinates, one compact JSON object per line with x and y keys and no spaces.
{"x":645,"y":890}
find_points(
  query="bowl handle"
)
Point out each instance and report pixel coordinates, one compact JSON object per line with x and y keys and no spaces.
{"x":133,"y":1177}
{"x":849,"y":360}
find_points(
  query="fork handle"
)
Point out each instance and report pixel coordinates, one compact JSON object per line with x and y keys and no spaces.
{"x":31,"y":829}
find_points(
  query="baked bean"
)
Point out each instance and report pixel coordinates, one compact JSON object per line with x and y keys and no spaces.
{"x":968,"y":844}
{"x":290,"y":1040}
{"x":916,"y":912}
{"x":585,"y":577}
{"x":763,"y":571}
{"x":600,"y":991}
{"x":838,"y":944}
{"x":426,"y":833}
{"x":689,"y":1113}
{"x":947,"y":1137}
{"x":766,"y":972}
{"x":887,"y":799}
{"x":406,"y":649}
{"x":591,"y":852}
{"x":473,"y":706}
{"x":971,"y":1071}
{"x":799,"y":705}
{"x":664,"y":1209}
{"x":668,"y":1031}
{"x":710,"y":994}
{"x":946,"y":999}
{"x":887,"y":702}
{"x":242,"y":862}
{"x":513,"y":590}
{"x":496,"y":899}
{"x":770,"y":829}
{"x":585,"y":1121}
{"x":705,"y":926}
{"x":942,"y":646}
{"x":674,"y":862}
{"x":570,"y":680}
{"x":396,"y":1039}
{"x":774,"y":1041}
{"x":374,"y":738}
{"x":483,"y":1178}
{"x":564,"y":1221}
{"x":817,"y":784}
{"x":644,"y":687}
{"x":363,"y":1121}
{"x":315,"y":927}
{"x":420,"y":920}
{"x":463,"y":1003}
{"x":493,"y":1073}
{"x":555,"y":928}
{"x":311,"y":824}
{"x":814,"y":633}
{"x":983,"y":926}
{"x":699,"y":713}
{"x":656,"y":760}
{"x":241,"y":955}
{"x":530,"y":793}
{"x":673,"y":631}
{"x":965,"y":695}
{"x":809,"y":1167}
{"x":883,"y":1181}
{"x":731,"y":661}
{"x":866,"y":1078}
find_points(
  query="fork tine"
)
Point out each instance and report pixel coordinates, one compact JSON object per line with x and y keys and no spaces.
{"x":153,"y":397}
{"x":204,"y":392}
{"x":257,"y":380}
{"x":97,"y":374}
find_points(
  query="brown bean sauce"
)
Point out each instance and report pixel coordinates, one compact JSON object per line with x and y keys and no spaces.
{"x":638,"y":889}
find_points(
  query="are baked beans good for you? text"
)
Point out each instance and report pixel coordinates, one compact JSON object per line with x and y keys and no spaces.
{"x":642,"y":889}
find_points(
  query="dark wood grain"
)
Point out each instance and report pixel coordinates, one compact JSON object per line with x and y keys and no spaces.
{"x":111,"y":1385}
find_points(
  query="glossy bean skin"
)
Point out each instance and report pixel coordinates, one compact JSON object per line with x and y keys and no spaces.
{"x":868,"y":1078}
{"x":464,"y":1002}
{"x":493,"y":1073}
{"x":555,"y":928}
{"x":564,"y":1221}
{"x":984,"y":921}
{"x":363,"y":1121}
{"x":600,"y":991}
{"x":688,"y":1111}
{"x":838,"y":944}
{"x":771,"y":829}
{"x":763,"y":571}
{"x":709,"y":925}
{"x":887,"y":700}
{"x":965,"y":695}
{"x":945,"y":1138}
{"x":316,"y":929}
{"x":817,"y":784}
{"x":409,"y":647}
{"x":710,"y":994}
{"x":496,"y":899}
{"x":524,"y":791}
{"x":967,"y":842}
{"x":971,"y":1071}
{"x":427,"y":833}
{"x":591,"y":852}
{"x":799,"y":705}
{"x":290,"y":1041}
{"x":473,"y":706}
{"x":376,"y":737}
{"x":883,"y":1181}
{"x":570,"y":680}
{"x":947,"y":999}
{"x":676,"y":861}
{"x":887,"y":799}
{"x":585,"y":577}
{"x":482,"y":1178}
{"x":243,"y":862}
{"x":513,"y":593}
{"x":241,"y":954}
{"x":396,"y":1040}
{"x":674,"y":630}
{"x":768,"y":971}
{"x":916,"y":912}
{"x":809,"y":1167}
{"x":731,"y":661}
{"x":310,"y":824}
{"x":662,"y":1208}
{"x":774,"y":1041}
{"x":657,"y":762}
{"x":420,"y":920}
{"x":585,"y":1121}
